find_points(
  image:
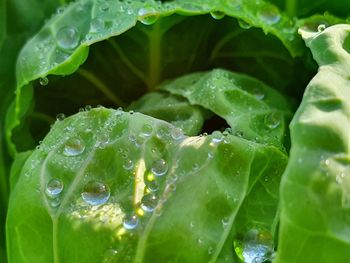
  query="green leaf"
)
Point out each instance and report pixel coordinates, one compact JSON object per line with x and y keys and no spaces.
{"x":173,"y":109}
{"x":133,"y":46}
{"x":315,"y":189}
{"x":109,"y":186}
{"x":252,"y":109}
{"x":306,"y":8}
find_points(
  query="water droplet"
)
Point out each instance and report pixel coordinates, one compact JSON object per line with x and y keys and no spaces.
{"x":151,"y":184}
{"x":54,"y":188}
{"x":103,"y":141}
{"x":148,"y":15}
{"x":44,"y":81}
{"x":159,"y":167}
{"x":128,"y":164}
{"x":149,"y":202}
{"x":217,"y":137}
{"x":243,"y":24}
{"x":256,"y":92}
{"x":217,"y":15}
{"x":131,"y":222}
{"x":269,"y":14}
{"x":147,"y":130}
{"x":321,"y":27}
{"x":104,"y":7}
{"x":210,"y":250}
{"x":256,"y":247}
{"x":60,"y":117}
{"x":68,"y":38}
{"x":272,"y":120}
{"x":55,"y":202}
{"x":225,"y":222}
{"x":95,"y":193}
{"x":96,"y":25}
{"x":74,"y":147}
{"x":177,"y":134}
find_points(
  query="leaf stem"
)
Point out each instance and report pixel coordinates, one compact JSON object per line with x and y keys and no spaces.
{"x":101,"y":86}
{"x":154,"y":58}
{"x":127,"y":61}
{"x":222,"y":42}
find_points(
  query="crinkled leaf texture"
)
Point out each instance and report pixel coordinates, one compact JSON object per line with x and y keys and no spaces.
{"x":110,"y":186}
{"x":315,"y":190}
{"x":111,"y":54}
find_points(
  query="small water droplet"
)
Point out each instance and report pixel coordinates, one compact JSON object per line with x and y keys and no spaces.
{"x":128,"y":164}
{"x":55,"y":202}
{"x":269,"y":14}
{"x":96,"y":25}
{"x":321,"y":27}
{"x":104,"y":7}
{"x":60,"y":117}
{"x":159,"y":167}
{"x":225,"y":222}
{"x":67,"y":38}
{"x":217,"y":137}
{"x":54,"y":188}
{"x":177,"y":134}
{"x":243,"y":24}
{"x":217,"y":15}
{"x":130,"y":222}
{"x":272,"y":120}
{"x":44,"y":81}
{"x":103,"y":141}
{"x":95,"y":193}
{"x":147,"y":130}
{"x":74,"y":147}
{"x":148,"y":15}
{"x":210,"y":250}
{"x":256,"y":247}
{"x":149,"y":202}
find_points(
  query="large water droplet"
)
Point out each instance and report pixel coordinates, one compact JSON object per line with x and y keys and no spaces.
{"x":68,"y":38}
{"x":159,"y":167}
{"x":217,"y":15}
{"x":269,"y":14}
{"x":148,"y":15}
{"x":130,"y":222}
{"x":149,"y":202}
{"x":272,"y":120}
{"x":95,"y":193}
{"x":257,"y":246}
{"x":54,"y":188}
{"x":74,"y":147}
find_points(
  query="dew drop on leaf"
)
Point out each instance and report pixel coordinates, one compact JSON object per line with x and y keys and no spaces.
{"x":147,"y":15}
{"x":128,"y":164}
{"x":67,"y":38}
{"x":269,"y":14}
{"x":243,"y":24}
{"x":159,"y":167}
{"x":60,"y":117}
{"x":256,"y":247}
{"x":55,"y":202}
{"x":44,"y":81}
{"x":130,"y":222}
{"x":146,"y":130}
{"x":95,"y":193}
{"x":96,"y":25}
{"x":149,"y":202}
{"x":321,"y":27}
{"x":217,"y":15}
{"x":54,"y":188}
{"x":272,"y":120}
{"x":74,"y":147}
{"x":176,"y":134}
